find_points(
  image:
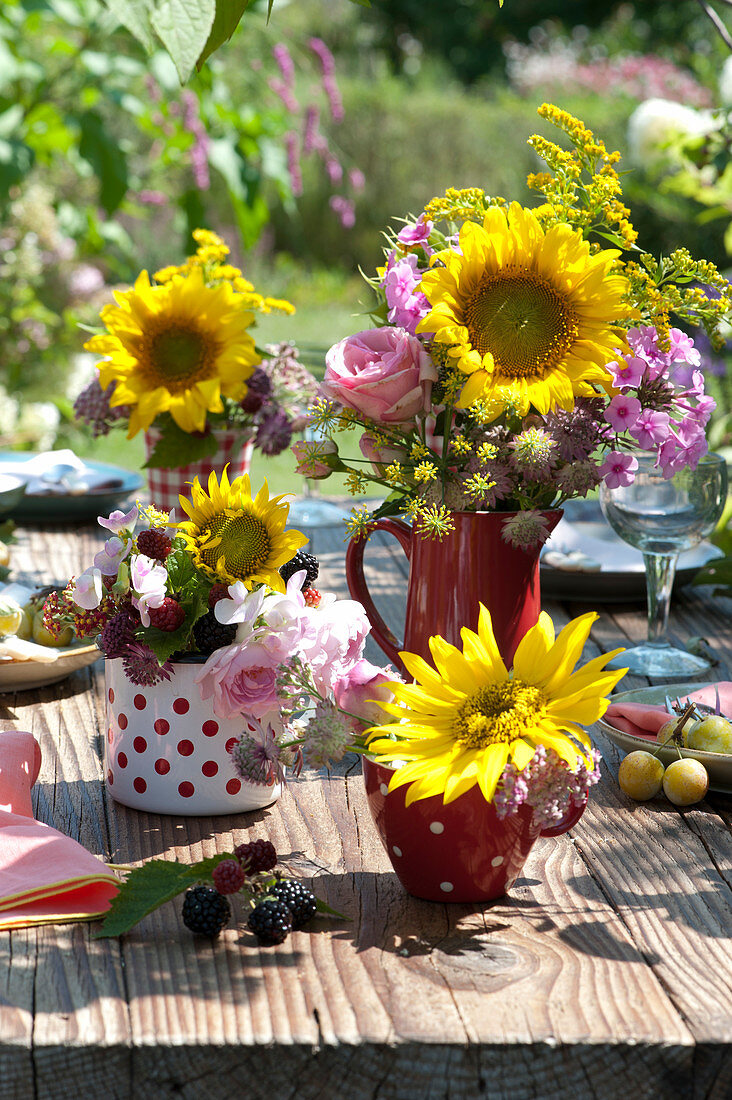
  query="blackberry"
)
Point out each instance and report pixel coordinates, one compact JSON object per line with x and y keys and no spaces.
{"x":271,"y":922}
{"x":257,"y":855}
{"x":298,"y":899}
{"x":205,"y":911}
{"x":210,"y":634}
{"x":301,"y":561}
{"x":228,"y":876}
{"x":168,"y":617}
{"x":154,"y":544}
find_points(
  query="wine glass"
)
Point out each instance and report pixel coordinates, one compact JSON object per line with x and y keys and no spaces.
{"x":661,"y":517}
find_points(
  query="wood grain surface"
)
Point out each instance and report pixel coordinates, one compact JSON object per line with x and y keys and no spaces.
{"x":605,"y":973}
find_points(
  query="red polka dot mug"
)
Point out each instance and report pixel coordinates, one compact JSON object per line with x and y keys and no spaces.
{"x":461,"y":851}
{"x":166,"y":752}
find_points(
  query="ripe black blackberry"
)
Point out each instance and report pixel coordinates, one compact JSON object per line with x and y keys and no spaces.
{"x":210,"y":634}
{"x":205,"y":911}
{"x":271,"y":922}
{"x":301,"y":561}
{"x":257,"y":855}
{"x":154,"y":544}
{"x":298,"y":899}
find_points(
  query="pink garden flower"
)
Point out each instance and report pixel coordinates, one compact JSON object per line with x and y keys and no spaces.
{"x":362,"y":689}
{"x":619,"y":469}
{"x":416,"y":235}
{"x":622,"y":412}
{"x":241,"y":680}
{"x":384,"y":374}
{"x":651,"y":429}
{"x":118,"y":521}
{"x":148,"y":580}
{"x":88,"y":589}
{"x":627,"y":372}
{"x":109,"y":559}
{"x":336,"y":641}
{"x":312,"y":457}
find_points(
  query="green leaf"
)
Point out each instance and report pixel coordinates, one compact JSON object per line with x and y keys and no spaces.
{"x":183,"y":27}
{"x":16,"y":161}
{"x":323,"y":908}
{"x":227,"y":19}
{"x":106,"y":158}
{"x":150,"y":886}
{"x":178,"y":448}
{"x":718,"y":572}
{"x":135,"y":16}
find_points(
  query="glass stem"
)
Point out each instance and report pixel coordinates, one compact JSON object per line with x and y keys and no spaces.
{"x":660,"y":573}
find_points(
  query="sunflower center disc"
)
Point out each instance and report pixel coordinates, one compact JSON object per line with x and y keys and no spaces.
{"x":522,"y":320}
{"x":178,"y":354}
{"x":498,"y":713}
{"x":244,"y":544}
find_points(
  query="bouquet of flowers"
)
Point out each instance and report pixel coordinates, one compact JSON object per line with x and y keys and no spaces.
{"x":517,"y":359}
{"x":231,"y":589}
{"x":179,"y":356}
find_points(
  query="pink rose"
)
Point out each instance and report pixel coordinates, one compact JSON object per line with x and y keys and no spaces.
{"x":241,"y":680}
{"x":361,"y":690}
{"x":384,"y":374}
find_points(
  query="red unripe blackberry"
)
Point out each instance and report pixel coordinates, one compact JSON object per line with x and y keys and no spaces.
{"x":154,"y":544}
{"x":228,"y":876}
{"x":257,"y":855}
{"x":168,"y":617}
{"x":311,"y":596}
{"x":218,"y":592}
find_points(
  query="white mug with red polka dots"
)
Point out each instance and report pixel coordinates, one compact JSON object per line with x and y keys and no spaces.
{"x":166,"y":751}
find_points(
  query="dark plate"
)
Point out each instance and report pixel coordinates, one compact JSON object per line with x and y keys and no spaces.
{"x":66,"y":508}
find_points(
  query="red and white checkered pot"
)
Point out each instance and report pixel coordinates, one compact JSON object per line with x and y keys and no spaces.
{"x":167,"y":485}
{"x":166,"y":752}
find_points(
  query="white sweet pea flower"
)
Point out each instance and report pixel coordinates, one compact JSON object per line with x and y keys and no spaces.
{"x":88,"y":589}
{"x":148,"y":579}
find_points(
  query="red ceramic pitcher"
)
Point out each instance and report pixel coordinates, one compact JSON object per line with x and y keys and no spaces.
{"x":449,"y":578}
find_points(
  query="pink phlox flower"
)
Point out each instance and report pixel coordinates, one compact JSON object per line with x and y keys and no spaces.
{"x":148,"y":580}
{"x":622,"y":412}
{"x":119,"y":521}
{"x":88,"y":589}
{"x":618,"y":469}
{"x":681,"y":348}
{"x":684,"y":447}
{"x":417,"y":235}
{"x":628,"y":371}
{"x":651,"y":428}
{"x":111,"y":557}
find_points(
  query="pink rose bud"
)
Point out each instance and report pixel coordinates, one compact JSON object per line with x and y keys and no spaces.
{"x":383,"y":374}
{"x":362,"y":689}
{"x":316,"y":459}
{"x":380,"y":455}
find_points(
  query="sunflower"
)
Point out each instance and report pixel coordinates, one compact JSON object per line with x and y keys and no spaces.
{"x":465,"y":719}
{"x":175,"y":348}
{"x":527,"y":314}
{"x":233,"y":537}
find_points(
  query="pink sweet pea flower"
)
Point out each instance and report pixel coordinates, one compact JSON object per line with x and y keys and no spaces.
{"x":651,"y":429}
{"x":622,"y":412}
{"x":119,"y":521}
{"x":111,"y":557}
{"x":618,"y":469}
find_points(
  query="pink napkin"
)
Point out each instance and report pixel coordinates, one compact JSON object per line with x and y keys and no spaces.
{"x":645,"y":720}
{"x":45,"y":877}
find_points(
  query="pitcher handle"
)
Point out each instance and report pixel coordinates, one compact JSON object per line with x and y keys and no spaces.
{"x":359,"y":589}
{"x":568,"y":821}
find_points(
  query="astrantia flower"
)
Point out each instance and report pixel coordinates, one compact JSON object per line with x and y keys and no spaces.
{"x":256,"y":756}
{"x":525,"y":529}
{"x":234,"y":537}
{"x":466,"y":718}
{"x":527,"y":314}
{"x":175,"y":348}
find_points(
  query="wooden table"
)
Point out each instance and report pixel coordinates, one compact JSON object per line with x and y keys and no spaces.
{"x":605,"y":973}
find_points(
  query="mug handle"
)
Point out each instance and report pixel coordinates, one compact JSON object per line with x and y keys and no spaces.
{"x":359,"y":589}
{"x":568,"y":821}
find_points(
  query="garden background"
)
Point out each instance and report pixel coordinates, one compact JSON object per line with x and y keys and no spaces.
{"x":298,"y":141}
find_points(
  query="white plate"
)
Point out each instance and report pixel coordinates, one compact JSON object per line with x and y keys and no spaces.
{"x":22,"y":675}
{"x":621,"y":577}
{"x":718,"y":764}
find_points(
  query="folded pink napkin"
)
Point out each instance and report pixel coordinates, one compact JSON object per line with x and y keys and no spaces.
{"x":45,"y":877}
{"x":645,"y":720}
